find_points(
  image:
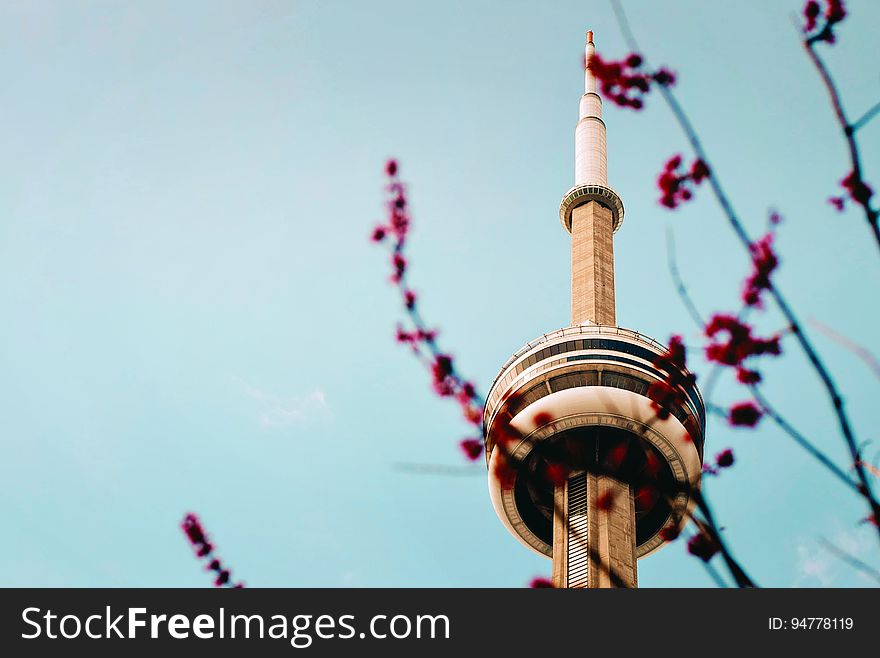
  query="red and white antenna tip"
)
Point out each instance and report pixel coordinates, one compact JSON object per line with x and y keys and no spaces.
{"x":589,"y":36}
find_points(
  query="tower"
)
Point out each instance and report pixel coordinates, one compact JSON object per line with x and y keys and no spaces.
{"x":582,"y":468}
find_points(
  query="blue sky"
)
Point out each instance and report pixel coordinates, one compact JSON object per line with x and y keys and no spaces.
{"x":195,"y":320}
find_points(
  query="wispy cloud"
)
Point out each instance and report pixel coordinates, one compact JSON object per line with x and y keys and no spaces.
{"x":823,"y":562}
{"x":813,"y":566}
{"x":282,"y":411}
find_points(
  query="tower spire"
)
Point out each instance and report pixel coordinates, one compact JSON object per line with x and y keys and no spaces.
{"x":591,"y":158}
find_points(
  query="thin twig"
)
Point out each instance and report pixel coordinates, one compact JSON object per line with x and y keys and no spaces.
{"x":679,"y":282}
{"x":437,"y":469}
{"x":861,"y":352}
{"x":800,"y":439}
{"x":874,"y":470}
{"x":686,"y":299}
{"x":848,"y":129}
{"x":866,"y":117}
{"x":739,"y":575}
{"x":850,"y":559}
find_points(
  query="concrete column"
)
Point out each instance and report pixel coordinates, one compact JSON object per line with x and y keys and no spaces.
{"x":592,"y":265}
{"x":609,"y":532}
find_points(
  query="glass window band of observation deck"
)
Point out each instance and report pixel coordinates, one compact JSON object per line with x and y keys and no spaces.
{"x":579,"y":330}
{"x":581,"y":194}
{"x":637,"y":382}
{"x":602,"y":346}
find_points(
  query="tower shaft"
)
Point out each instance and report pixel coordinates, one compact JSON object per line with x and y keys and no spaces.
{"x":592,"y":265}
{"x":594,"y":537}
{"x":594,"y":526}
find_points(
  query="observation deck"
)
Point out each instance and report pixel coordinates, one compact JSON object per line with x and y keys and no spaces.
{"x":584,"y":388}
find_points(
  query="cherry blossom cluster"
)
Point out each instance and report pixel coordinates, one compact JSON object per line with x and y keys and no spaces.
{"x":195,"y":533}
{"x":703,"y":545}
{"x":539,"y":583}
{"x":834,"y":13}
{"x":422,"y":340}
{"x":447,"y":383}
{"x":396,"y":227}
{"x":416,"y":336}
{"x":723,"y":459}
{"x":732,"y":344}
{"x":676,"y":184}
{"x":670,"y":532}
{"x":744,"y":414}
{"x":857,"y":190}
{"x":671,"y":391}
{"x":764,"y":261}
{"x":605,"y":502}
{"x":624,"y":82}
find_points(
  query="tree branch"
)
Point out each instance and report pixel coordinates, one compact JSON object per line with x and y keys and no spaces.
{"x":848,"y":129}
{"x":780,"y":301}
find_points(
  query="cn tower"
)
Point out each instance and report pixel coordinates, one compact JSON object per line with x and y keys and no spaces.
{"x":578,"y":396}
